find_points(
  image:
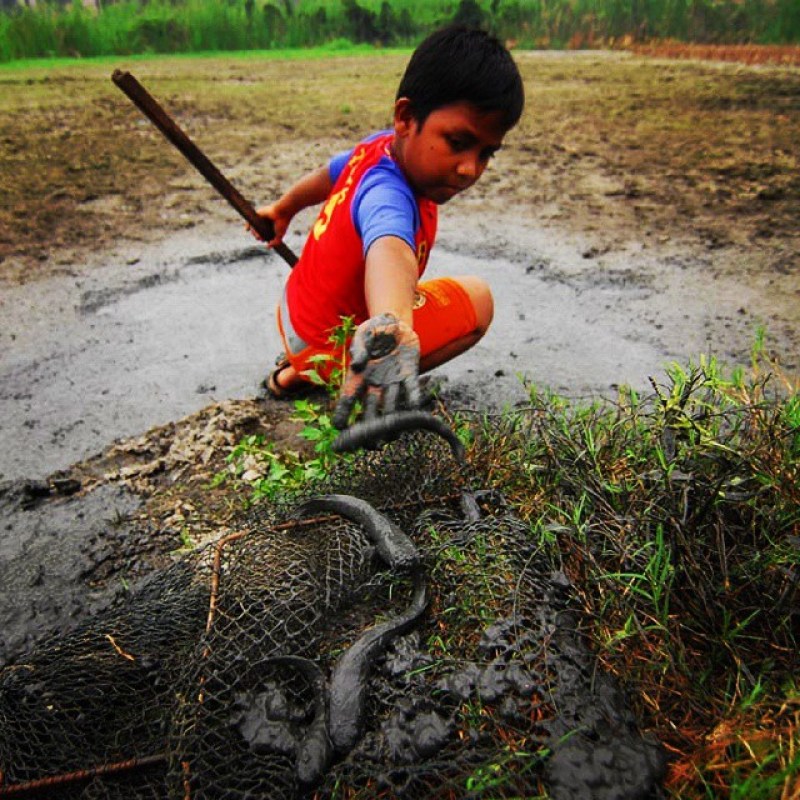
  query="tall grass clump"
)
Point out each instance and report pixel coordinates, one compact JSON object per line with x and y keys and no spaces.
{"x":170,"y":26}
{"x":678,"y":519}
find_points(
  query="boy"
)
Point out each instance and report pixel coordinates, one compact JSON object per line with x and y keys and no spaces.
{"x":460,"y":94}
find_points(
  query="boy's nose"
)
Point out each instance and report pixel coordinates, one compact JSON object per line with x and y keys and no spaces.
{"x":469,"y":167}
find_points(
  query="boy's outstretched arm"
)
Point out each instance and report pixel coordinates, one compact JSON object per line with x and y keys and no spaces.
{"x":310,"y":190}
{"x":385,"y":348}
{"x":390,"y":278}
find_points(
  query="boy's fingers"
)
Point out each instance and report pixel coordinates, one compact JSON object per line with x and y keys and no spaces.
{"x":351,"y":391}
{"x":341,"y":414}
{"x":253,"y":232}
{"x":413,"y":394}
{"x":358,"y":353}
{"x":372,"y":402}
{"x":390,"y":397}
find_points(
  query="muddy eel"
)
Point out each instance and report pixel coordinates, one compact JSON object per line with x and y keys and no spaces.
{"x":370,"y":433}
{"x":314,"y":749}
{"x":393,"y":546}
{"x":349,"y":678}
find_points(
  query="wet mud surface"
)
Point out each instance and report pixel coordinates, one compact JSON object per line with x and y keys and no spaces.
{"x":108,"y":355}
{"x":65,"y":558}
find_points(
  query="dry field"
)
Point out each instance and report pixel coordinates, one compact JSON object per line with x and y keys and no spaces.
{"x":612,"y":144}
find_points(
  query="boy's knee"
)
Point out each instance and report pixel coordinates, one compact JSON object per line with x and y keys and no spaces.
{"x":480,"y":296}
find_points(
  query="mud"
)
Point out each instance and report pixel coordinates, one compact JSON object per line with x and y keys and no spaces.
{"x":86,"y":360}
{"x":63,"y":559}
{"x":597,"y":750}
{"x":590,"y":747}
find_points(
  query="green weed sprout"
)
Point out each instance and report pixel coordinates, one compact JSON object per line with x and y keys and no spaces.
{"x":270,"y":473}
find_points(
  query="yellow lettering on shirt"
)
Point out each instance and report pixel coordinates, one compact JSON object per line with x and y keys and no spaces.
{"x":337,"y":198}
{"x":422,"y":254}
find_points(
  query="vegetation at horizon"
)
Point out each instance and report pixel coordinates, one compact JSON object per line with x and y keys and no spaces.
{"x":128,"y":27}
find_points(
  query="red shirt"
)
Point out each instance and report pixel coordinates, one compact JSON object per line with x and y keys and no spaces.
{"x":327,"y":283}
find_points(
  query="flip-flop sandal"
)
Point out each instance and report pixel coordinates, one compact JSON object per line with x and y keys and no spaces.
{"x":270,"y":383}
{"x":278,"y":392}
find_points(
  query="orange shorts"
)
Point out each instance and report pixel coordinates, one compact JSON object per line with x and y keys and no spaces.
{"x":443,"y":313}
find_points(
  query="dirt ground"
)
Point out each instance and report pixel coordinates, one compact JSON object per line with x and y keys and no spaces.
{"x":612,"y":145}
{"x":696,"y":162}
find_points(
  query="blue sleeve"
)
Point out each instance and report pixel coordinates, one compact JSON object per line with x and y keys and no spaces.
{"x":384,"y":205}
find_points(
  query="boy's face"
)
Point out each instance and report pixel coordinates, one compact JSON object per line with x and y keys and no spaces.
{"x":451,"y":149}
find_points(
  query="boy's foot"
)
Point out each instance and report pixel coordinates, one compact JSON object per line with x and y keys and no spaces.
{"x":293,"y":389}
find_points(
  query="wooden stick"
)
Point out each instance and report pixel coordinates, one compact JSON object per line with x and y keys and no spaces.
{"x":9,"y":790}
{"x":147,"y":104}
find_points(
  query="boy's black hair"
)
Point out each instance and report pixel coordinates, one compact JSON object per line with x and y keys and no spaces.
{"x":457,"y":63}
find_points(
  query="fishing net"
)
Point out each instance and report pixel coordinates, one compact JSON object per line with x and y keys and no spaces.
{"x":218,"y":678}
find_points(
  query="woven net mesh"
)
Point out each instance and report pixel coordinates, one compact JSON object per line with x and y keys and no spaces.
{"x":184,"y":690}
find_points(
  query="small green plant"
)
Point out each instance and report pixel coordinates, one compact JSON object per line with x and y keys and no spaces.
{"x":269,"y":473}
{"x":504,"y":771}
{"x":335,"y":364}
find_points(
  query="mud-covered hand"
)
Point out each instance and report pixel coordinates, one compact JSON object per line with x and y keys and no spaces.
{"x":384,"y":361}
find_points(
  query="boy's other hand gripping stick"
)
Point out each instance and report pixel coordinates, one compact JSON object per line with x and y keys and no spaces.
{"x":384,"y":363}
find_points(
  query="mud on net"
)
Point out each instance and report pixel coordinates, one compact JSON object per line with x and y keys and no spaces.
{"x":295,"y":659}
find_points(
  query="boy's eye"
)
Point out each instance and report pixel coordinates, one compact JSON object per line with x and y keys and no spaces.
{"x":457,"y":144}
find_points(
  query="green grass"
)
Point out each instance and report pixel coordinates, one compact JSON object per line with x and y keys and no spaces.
{"x":677,"y":516}
{"x":325,"y":51}
{"x":161,"y":26}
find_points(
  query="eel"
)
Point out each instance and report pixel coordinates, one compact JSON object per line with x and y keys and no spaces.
{"x":348,"y":684}
{"x":393,"y":546}
{"x":349,"y":679}
{"x":371,"y":432}
{"x":314,"y":749}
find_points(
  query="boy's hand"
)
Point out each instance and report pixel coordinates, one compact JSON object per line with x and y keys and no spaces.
{"x":279,"y":221}
{"x":384,"y":359}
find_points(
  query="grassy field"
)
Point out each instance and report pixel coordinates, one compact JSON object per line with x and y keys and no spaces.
{"x":607,"y":141}
{"x":161,"y":26}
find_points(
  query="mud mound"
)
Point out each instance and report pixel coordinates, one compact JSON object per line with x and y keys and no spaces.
{"x":218,"y":675}
{"x":56,"y":564}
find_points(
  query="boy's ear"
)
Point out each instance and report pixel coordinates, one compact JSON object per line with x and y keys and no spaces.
{"x":403,"y":117}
